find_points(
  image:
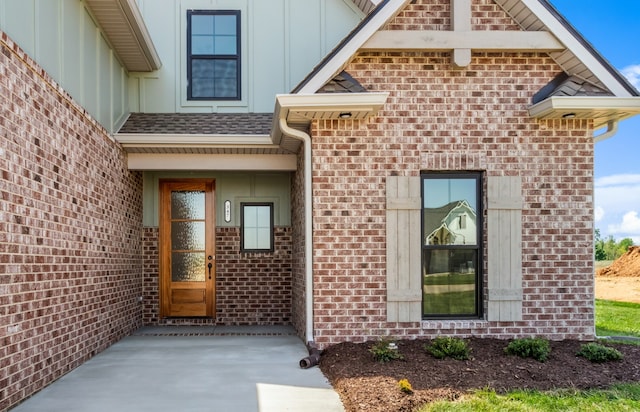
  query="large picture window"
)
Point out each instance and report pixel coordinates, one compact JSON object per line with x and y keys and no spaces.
{"x":451,"y":245}
{"x":213,"y":54}
{"x":256,"y":221}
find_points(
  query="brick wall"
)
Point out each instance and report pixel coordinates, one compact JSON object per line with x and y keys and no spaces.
{"x":70,"y":229}
{"x":251,"y":288}
{"x":150,"y":276}
{"x":437,"y":118}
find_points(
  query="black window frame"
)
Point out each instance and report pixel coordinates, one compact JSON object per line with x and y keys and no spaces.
{"x":271,"y":248}
{"x":478,"y":247}
{"x":235,"y":57}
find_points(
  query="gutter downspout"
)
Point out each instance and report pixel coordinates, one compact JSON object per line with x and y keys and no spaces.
{"x":612,"y":128}
{"x":308,"y":219}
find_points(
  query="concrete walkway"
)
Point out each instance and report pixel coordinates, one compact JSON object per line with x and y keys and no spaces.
{"x":193,"y":369}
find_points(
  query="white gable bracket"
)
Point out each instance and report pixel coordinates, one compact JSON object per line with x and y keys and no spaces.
{"x":462,"y":39}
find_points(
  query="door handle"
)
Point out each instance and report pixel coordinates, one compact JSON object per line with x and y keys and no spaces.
{"x":210,"y":265}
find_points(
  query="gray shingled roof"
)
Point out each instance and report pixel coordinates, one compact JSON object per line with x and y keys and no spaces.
{"x":575,"y":86}
{"x":198,"y":123}
{"x":434,"y":216}
{"x":342,"y":83}
{"x":564,"y":85}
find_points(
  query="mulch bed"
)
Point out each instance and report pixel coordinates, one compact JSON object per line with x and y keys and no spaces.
{"x":366,"y":385}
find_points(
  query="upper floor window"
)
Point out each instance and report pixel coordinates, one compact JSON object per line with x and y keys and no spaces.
{"x":213,"y":54}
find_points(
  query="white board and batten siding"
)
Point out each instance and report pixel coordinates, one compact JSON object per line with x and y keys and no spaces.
{"x":404,"y":283}
{"x":62,"y":37}
{"x":281,"y":41}
{"x":504,"y":248}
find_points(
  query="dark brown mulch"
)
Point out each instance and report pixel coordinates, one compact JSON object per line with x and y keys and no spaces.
{"x":367,"y":385}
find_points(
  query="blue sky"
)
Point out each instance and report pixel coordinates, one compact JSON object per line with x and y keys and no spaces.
{"x":613,"y":28}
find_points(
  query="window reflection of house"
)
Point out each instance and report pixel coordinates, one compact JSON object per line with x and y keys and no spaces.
{"x":451,"y":224}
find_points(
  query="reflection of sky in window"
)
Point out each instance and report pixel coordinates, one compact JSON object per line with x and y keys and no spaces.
{"x":213,"y":34}
{"x":439,"y":192}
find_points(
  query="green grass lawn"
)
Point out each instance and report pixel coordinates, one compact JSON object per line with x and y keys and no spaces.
{"x":625,"y":397}
{"x":612,"y":319}
{"x":450,"y":279}
{"x":617,"y":318}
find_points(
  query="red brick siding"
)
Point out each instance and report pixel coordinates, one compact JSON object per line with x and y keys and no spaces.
{"x":70,"y":229}
{"x":437,"y":118}
{"x":150,"y":276}
{"x":251,"y":288}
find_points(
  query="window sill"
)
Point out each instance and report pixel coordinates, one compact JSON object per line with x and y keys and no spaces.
{"x":453,"y":324}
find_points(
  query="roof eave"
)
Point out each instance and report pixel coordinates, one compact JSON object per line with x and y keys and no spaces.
{"x":333,"y":63}
{"x":125,"y":30}
{"x":299,"y":110}
{"x":602,"y":109}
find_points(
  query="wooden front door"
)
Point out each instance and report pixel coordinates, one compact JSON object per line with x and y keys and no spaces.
{"x":187,"y":249}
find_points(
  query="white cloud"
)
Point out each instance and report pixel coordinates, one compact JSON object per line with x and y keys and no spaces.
{"x":629,"y":227}
{"x":632,"y":73}
{"x":617,"y":202}
{"x":599,"y":213}
{"x":616,"y":180}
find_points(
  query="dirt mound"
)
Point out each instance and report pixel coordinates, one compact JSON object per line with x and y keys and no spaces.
{"x":627,"y":265}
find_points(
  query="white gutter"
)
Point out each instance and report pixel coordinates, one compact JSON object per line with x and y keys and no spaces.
{"x":612,"y":129}
{"x":308,"y":220}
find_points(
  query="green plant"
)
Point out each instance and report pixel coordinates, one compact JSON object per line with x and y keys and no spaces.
{"x":385,"y":350}
{"x":598,"y":353}
{"x":446,"y":346}
{"x":536,"y":348}
{"x":405,"y":386}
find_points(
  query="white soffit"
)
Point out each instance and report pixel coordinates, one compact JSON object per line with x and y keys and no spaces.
{"x":577,"y":59}
{"x":123,"y":26}
{"x":366,"y":5}
{"x":133,"y":139}
{"x":207,"y":161}
{"x":300,"y":109}
{"x":601,"y":108}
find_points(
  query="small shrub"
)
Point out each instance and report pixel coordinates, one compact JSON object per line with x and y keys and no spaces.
{"x":598,"y":353}
{"x":445,"y":346}
{"x":405,"y":386}
{"x":536,"y":348}
{"x":385,"y":350}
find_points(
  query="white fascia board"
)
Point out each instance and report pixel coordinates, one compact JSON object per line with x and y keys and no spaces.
{"x":130,"y":8}
{"x":191,"y":139}
{"x":342,"y":57}
{"x":181,"y":161}
{"x":579,"y":50}
{"x":585,"y":103}
{"x":324,"y":102}
{"x":332,"y":101}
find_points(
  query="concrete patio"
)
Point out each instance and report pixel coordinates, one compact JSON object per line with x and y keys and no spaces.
{"x":193,"y":369}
